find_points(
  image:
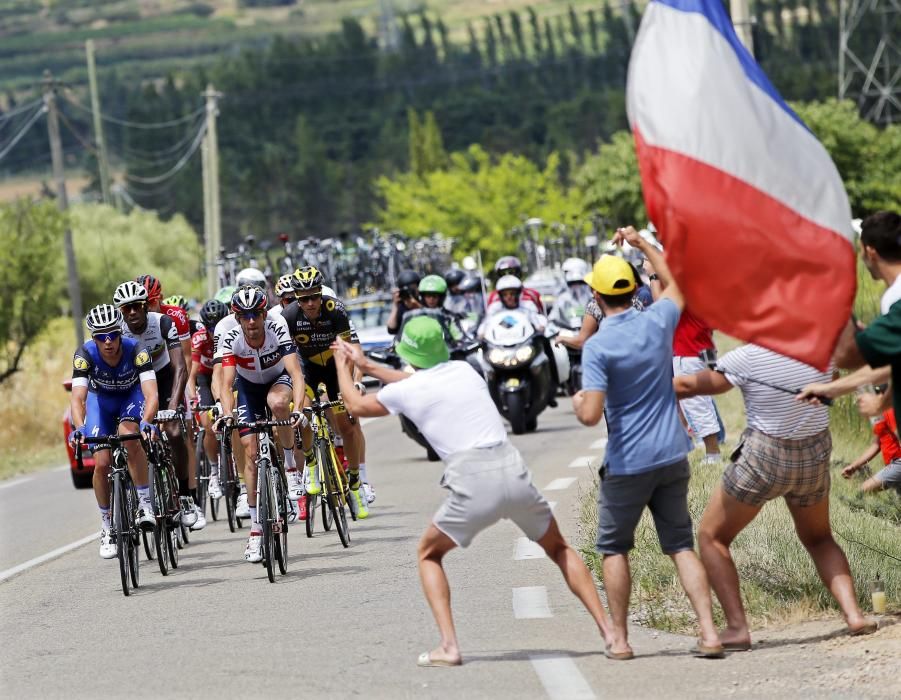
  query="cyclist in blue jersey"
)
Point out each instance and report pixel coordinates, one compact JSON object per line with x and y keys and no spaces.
{"x":113,"y":391}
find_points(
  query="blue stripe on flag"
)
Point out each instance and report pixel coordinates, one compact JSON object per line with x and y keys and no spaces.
{"x":715,"y":13}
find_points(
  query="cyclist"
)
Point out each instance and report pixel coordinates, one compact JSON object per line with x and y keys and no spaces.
{"x":577,"y":294}
{"x":510,"y":265}
{"x":404,"y":298}
{"x":285,"y":293}
{"x":259,"y":358}
{"x":314,"y":321}
{"x":200,"y":384}
{"x":178,"y":315}
{"x":114,"y":390}
{"x":157,"y":333}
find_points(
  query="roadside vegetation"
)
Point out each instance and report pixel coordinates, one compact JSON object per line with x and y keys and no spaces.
{"x":778,"y":580}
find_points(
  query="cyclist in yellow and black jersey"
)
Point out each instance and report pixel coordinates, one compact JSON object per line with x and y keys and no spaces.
{"x":314,"y":321}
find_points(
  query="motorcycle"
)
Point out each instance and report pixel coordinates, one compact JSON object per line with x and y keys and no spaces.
{"x":517,"y":368}
{"x":568,"y":317}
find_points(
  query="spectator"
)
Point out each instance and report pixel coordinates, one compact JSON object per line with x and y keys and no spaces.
{"x":784,"y":452}
{"x":628,"y":370}
{"x":405,"y":298}
{"x":885,"y":440}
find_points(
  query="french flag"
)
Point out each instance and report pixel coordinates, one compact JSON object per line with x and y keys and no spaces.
{"x":748,"y":205}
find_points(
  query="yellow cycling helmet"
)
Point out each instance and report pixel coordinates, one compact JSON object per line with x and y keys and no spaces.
{"x":306,"y":279}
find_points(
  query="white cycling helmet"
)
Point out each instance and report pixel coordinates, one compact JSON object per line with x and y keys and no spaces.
{"x":508,"y":282}
{"x":129,"y":293}
{"x":103,"y":318}
{"x":250,"y":275}
{"x":575,"y":270}
{"x":328,"y":291}
{"x":283,"y":286}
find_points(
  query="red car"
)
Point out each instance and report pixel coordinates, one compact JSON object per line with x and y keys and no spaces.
{"x":82,"y":478}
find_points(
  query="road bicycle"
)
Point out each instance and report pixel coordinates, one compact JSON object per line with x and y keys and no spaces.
{"x":203,"y":466}
{"x":273,"y":505}
{"x":123,"y":505}
{"x":228,"y":476}
{"x":163,"y":453}
{"x":335,"y":495}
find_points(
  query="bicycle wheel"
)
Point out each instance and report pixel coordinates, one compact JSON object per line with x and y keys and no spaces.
{"x":203,"y":477}
{"x":336,"y":504}
{"x":134,"y":538}
{"x":322,"y":466}
{"x":281,"y":538}
{"x":228,"y":482}
{"x":264,"y":513}
{"x":149,"y":551}
{"x":120,"y":529}
{"x":312,"y":502}
{"x":159,"y":525}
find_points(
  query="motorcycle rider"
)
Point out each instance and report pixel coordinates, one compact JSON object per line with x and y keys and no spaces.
{"x":455,"y":301}
{"x":578,"y":293}
{"x":510,"y":265}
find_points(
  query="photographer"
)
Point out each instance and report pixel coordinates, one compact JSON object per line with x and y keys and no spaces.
{"x":405,"y":298}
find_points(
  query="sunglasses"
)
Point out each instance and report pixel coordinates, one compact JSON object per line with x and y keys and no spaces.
{"x":250,"y":315}
{"x":308,"y":299}
{"x":110,"y":337}
{"x":135,"y":306}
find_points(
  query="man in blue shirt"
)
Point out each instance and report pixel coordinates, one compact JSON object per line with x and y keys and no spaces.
{"x":628,"y":373}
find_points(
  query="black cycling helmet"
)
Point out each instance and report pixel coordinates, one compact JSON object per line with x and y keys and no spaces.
{"x":408,"y":278}
{"x":454,"y":277}
{"x":470,"y":283}
{"x":212,"y":312}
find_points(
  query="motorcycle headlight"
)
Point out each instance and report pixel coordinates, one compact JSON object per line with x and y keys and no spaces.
{"x":525,"y":353}
{"x":497,"y":356}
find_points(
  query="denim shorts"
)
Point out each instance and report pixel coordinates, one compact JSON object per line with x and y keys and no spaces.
{"x":623,"y":498}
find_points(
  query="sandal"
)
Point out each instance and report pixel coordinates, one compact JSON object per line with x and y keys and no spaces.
{"x":425,"y":660}
{"x":619,"y":655}
{"x":702,"y":651}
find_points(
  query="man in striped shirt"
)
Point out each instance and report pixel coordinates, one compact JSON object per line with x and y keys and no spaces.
{"x":784,"y":452}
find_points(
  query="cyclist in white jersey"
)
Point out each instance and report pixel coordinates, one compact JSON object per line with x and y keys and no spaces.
{"x":260,"y":358}
{"x":158,"y":334}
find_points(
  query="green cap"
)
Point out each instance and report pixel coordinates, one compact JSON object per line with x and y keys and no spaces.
{"x":432,"y":284}
{"x":422,"y":343}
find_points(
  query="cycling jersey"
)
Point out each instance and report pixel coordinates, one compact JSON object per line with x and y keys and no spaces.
{"x":158,"y":336}
{"x":195,"y":325}
{"x":230,"y":322}
{"x":91,"y":370}
{"x":202,"y":350}
{"x":314,"y":338}
{"x":179,"y":318}
{"x":260,"y":365}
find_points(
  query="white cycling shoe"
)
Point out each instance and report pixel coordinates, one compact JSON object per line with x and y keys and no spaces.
{"x":146,"y":519}
{"x":107,"y":546}
{"x":295,"y":484}
{"x":201,"y":520}
{"x":369,"y":492}
{"x":215,"y":489}
{"x":188,"y":512}
{"x":254,"y":550}
{"x":242,"y":510}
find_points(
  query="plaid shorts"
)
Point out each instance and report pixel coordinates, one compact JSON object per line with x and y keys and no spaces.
{"x":764,"y":468}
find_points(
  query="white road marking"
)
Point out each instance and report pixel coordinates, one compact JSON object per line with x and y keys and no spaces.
{"x":581,"y":461}
{"x":530,"y":603}
{"x":58,"y":552}
{"x":600,"y":444}
{"x":526,"y":549}
{"x":561,"y":677}
{"x":560,"y":484}
{"x":15,"y":482}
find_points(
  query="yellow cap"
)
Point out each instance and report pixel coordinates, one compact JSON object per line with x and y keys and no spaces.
{"x":611,"y":275}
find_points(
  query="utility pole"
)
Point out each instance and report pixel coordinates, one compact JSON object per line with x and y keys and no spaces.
{"x":742,"y":21}
{"x":98,"y":123}
{"x":62,"y":201}
{"x":211,"y":218}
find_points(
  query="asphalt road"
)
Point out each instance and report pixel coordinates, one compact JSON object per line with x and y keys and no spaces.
{"x":342,"y":622}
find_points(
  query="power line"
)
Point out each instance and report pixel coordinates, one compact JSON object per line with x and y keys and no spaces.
{"x":137,"y":125}
{"x":19,"y":109}
{"x":156,"y":179}
{"x":24,"y":130}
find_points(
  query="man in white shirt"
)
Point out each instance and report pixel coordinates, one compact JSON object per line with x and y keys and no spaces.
{"x":488,"y":480}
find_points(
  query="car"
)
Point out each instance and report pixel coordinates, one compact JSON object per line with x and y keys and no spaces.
{"x":549,"y":284}
{"x":369,"y":315}
{"x":82,"y":476}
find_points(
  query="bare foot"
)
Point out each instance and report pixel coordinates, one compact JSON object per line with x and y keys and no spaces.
{"x":734,"y":640}
{"x":862,"y":626}
{"x":619,"y":647}
{"x":440,"y":657}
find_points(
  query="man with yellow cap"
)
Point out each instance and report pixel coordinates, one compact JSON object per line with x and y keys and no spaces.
{"x":628,"y":376}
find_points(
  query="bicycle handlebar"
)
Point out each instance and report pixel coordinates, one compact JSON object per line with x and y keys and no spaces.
{"x":262,"y":425}
{"x":322,"y":406}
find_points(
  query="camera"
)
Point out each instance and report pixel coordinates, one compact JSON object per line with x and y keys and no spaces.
{"x":405,"y":293}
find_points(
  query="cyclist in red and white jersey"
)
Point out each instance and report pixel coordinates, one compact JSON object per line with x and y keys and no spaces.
{"x":200,"y":381}
{"x":260,"y":358}
{"x":510,"y":265}
{"x":178,"y":315}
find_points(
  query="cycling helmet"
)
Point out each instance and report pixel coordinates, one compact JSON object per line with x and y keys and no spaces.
{"x":212,"y":312}
{"x":407,"y":278}
{"x":249,"y":298}
{"x":283,"y":286}
{"x":176,"y":300}
{"x":508,"y":282}
{"x":225,"y":294}
{"x":470,"y":283}
{"x":508,"y":265}
{"x":250,"y":275}
{"x":129,"y":293}
{"x":152,"y":285}
{"x":104,"y":318}
{"x":454,"y":277}
{"x":306,"y":279}
{"x":575,"y":270}
{"x":432,"y":284}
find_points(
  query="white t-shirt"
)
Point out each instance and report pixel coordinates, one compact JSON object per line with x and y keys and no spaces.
{"x":776,"y":413}
{"x":450,"y":405}
{"x":890,"y":296}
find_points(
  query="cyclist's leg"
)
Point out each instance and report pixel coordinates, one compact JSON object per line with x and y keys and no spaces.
{"x":101,"y":422}
{"x":251,"y":406}
{"x":165,"y":380}
{"x":279,"y":401}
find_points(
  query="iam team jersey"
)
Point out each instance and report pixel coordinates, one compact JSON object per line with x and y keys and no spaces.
{"x":230,"y":322}
{"x":89,"y":368}
{"x":202,"y":350}
{"x":314,"y":338}
{"x":158,"y":336}
{"x":260,"y":365}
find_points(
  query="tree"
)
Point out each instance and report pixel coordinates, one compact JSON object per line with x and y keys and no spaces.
{"x":609,"y":182}
{"x":31,"y":234}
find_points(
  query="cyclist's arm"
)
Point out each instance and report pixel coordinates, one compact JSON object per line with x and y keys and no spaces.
{"x":227,"y":379}
{"x":151,"y":399}
{"x":216,"y":381}
{"x":186,"y":353}
{"x":180,"y":379}
{"x":298,"y":384}
{"x":359,"y":405}
{"x":191,"y":386}
{"x":77,"y":405}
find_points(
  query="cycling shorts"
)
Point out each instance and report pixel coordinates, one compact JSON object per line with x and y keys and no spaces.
{"x":104,"y":412}
{"x":204,"y":384}
{"x":252,"y":397}
{"x":165,"y":379}
{"x":327,"y":374}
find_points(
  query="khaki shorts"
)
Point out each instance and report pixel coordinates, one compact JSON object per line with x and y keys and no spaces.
{"x":764,"y":468}
{"x":487,"y":485}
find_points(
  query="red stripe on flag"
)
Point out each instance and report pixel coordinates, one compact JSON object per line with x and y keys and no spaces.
{"x":747,"y":264}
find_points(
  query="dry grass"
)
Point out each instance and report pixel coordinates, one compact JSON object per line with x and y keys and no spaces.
{"x":32,"y":403}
